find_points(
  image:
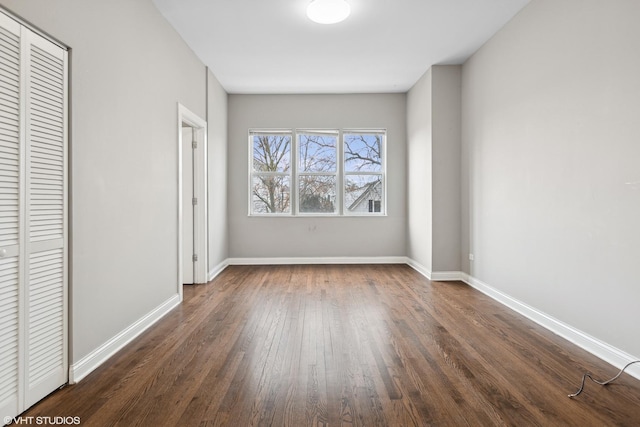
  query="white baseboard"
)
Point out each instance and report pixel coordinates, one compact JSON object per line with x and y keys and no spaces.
{"x":598,"y":348}
{"x":217,"y":270}
{"x":318,"y":260}
{"x":604,"y":351}
{"x":419,"y":268}
{"x":446,"y":276}
{"x":97,"y":357}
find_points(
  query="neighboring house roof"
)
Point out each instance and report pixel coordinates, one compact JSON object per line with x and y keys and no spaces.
{"x":371,"y":187}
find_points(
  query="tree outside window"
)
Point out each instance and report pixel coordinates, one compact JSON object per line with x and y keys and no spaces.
{"x":271,"y":173}
{"x":363,"y":172}
{"x":317,"y":175}
{"x":317,"y":172}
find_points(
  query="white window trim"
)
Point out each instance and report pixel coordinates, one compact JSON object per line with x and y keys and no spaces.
{"x":382,"y":173}
{"x":252,"y":174}
{"x":336,"y":174}
{"x":340,"y":174}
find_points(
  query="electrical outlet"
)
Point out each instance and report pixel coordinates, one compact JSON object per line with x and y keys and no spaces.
{"x":471,"y":257}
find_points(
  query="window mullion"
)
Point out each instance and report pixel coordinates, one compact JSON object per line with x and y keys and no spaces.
{"x":295,"y":179}
{"x":340,"y":174}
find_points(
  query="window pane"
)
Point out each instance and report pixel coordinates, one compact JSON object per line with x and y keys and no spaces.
{"x":317,"y":194}
{"x":374,"y":206}
{"x":317,"y":153}
{"x":363,"y":194}
{"x":363,"y":152}
{"x":271,"y":153}
{"x":271,"y":194}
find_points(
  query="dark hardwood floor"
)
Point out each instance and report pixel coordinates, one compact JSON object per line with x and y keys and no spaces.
{"x":365,"y":345}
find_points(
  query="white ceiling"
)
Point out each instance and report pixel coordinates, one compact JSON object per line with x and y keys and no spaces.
{"x":270,"y":46}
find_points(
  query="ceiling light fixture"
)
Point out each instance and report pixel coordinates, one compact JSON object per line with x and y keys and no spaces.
{"x":328,"y":11}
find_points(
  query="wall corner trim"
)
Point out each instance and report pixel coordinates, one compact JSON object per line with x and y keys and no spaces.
{"x":97,"y":357}
{"x":419,"y":268}
{"x":436,"y":276}
{"x":215,"y":271}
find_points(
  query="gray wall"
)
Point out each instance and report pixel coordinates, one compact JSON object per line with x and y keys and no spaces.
{"x":129,"y":69}
{"x":446,"y":131}
{"x":419,"y":172}
{"x":550,"y":178}
{"x":217,"y":178}
{"x":551,"y":147}
{"x":317,"y":237}
{"x":433,"y":128}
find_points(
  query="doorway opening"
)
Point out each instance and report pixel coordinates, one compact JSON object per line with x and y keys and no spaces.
{"x":192,"y":199}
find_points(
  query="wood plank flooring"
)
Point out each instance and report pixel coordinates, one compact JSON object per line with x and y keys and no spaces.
{"x":365,"y":345}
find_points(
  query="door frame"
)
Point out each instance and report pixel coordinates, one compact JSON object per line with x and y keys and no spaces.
{"x":185,"y":116}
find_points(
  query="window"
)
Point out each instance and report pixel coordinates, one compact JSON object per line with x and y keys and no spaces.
{"x":326,"y":172}
{"x":317,"y":172}
{"x":363,"y":172}
{"x":271,"y":173}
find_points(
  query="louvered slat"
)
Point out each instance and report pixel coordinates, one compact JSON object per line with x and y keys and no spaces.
{"x":46,"y":192}
{"x":9,"y":135}
{"x":47,"y":156}
{"x":32,"y":217}
{"x":8,"y":328}
{"x":45,"y":313}
{"x":9,"y":217}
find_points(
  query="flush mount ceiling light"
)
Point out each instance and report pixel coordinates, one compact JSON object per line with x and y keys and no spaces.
{"x":328,"y":11}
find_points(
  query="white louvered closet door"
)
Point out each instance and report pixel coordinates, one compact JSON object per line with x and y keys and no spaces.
{"x":10,"y":217}
{"x":45,"y":222}
{"x":33,"y":217}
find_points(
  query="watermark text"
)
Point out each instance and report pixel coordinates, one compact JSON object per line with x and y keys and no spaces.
{"x":42,"y":421}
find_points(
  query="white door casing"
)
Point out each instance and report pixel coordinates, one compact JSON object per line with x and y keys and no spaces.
{"x":188,"y":265}
{"x":200,"y":226}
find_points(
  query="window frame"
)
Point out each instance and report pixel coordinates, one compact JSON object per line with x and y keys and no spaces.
{"x":382,"y":173}
{"x":340,"y":174}
{"x":253,"y":174}
{"x":298,"y":173}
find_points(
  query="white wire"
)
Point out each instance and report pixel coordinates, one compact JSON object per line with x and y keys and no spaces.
{"x":588,"y":375}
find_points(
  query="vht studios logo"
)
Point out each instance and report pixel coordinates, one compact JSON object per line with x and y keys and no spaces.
{"x":50,"y":421}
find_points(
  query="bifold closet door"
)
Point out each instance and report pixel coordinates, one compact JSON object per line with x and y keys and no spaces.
{"x":45,"y":222}
{"x":11,"y":215}
{"x":33,"y":217}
